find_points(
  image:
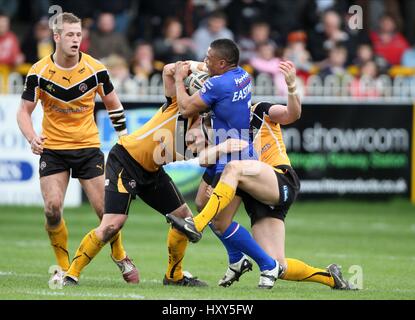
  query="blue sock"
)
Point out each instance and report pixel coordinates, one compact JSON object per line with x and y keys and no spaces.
{"x":234,"y":255}
{"x":242,"y":240}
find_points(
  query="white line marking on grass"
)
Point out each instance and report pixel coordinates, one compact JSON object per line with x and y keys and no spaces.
{"x":34,"y":243}
{"x":74,"y":294}
{"x":46,"y":276}
{"x":380,"y":226}
{"x":356,"y":256}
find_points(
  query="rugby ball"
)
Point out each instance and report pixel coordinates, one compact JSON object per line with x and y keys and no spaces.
{"x":195,"y":81}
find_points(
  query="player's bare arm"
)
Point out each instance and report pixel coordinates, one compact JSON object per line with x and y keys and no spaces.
{"x":168,"y":80}
{"x":24,"y":121}
{"x":292,"y":111}
{"x":197,"y":66}
{"x":116,"y":112}
{"x":189,"y":106}
{"x":211,"y":154}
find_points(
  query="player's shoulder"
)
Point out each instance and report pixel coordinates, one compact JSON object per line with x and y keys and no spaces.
{"x":40,"y":65}
{"x":94,"y":63}
{"x":238,"y":77}
{"x":218,"y":82}
{"x":260,"y":108}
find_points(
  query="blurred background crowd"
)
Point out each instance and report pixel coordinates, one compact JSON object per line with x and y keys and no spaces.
{"x":135,"y":39}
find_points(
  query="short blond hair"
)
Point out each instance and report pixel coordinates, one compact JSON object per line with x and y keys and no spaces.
{"x":61,"y":18}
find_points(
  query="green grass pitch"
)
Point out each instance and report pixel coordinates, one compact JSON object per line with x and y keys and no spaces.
{"x":378,"y":236}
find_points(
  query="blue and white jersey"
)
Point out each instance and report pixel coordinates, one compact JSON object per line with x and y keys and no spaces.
{"x":229,"y":97}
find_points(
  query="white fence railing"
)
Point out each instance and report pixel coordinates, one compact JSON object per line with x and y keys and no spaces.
{"x":381,"y":88}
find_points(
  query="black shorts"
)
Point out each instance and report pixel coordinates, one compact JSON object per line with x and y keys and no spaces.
{"x":83,"y":163}
{"x":125,"y":179}
{"x":289,"y":187}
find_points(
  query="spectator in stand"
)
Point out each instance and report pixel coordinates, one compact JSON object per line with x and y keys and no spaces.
{"x":120,"y":10}
{"x":120,"y":76}
{"x":87,"y":24}
{"x":408,"y":58}
{"x":260,"y":33}
{"x":9,"y":8}
{"x":38,"y":44}
{"x":206,"y":34}
{"x":388,"y":42}
{"x":266,"y":62}
{"x":366,"y":85}
{"x":172,"y":47}
{"x":336,"y":62}
{"x":356,"y":36}
{"x":243,"y":13}
{"x":321,"y":42}
{"x":285,"y":16}
{"x":10,"y":53}
{"x":364,"y":53}
{"x":297,"y":53}
{"x":143,"y":65}
{"x":106,"y":41}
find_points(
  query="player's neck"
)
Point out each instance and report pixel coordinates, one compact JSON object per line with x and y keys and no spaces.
{"x":64,"y":61}
{"x":230,"y":68}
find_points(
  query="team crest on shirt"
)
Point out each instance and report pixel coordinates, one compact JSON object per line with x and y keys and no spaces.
{"x":132,"y":184}
{"x":83,"y":87}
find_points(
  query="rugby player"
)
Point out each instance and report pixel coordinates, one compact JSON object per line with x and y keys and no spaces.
{"x":135,"y":168}
{"x":66,"y":83}
{"x":268,"y":214}
{"x":227,"y":93}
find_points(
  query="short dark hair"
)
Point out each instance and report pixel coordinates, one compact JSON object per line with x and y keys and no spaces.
{"x":227,"y":50}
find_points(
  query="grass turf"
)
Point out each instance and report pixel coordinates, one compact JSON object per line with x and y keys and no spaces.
{"x":377,"y":236}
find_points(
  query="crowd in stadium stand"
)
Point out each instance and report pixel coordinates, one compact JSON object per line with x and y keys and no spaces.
{"x":136,"y":38}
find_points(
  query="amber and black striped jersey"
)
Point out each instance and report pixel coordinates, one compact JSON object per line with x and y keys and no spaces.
{"x":268,"y":141}
{"x":68,"y":100}
{"x":161,"y":140}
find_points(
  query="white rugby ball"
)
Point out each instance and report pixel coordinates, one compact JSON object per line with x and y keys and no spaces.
{"x":195,"y":81}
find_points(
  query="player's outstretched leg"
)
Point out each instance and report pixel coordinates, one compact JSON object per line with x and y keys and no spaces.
{"x":254,"y":177}
{"x":185,"y":226}
{"x":176,"y":247}
{"x":235,"y":271}
{"x":92,"y":243}
{"x":94,"y":189}
{"x":124,"y":263}
{"x":339,"y":282}
{"x":240,"y":239}
{"x":238,"y":262}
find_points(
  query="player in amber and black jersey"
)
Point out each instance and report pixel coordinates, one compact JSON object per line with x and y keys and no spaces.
{"x":66,"y":84}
